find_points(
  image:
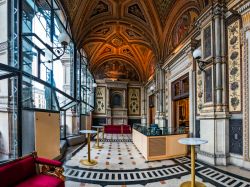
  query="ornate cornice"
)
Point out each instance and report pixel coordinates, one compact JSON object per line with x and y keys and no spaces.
{"x":244,"y":7}
{"x":116,"y":84}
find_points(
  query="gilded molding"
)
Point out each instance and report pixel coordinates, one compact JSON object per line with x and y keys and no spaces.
{"x":53,"y":171}
{"x":246,"y":18}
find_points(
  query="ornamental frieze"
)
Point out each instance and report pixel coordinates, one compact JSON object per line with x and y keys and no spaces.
{"x":234,"y":67}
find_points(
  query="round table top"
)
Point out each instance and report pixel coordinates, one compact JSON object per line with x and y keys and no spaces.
{"x":98,"y":127}
{"x":192,"y":141}
{"x":88,"y":132}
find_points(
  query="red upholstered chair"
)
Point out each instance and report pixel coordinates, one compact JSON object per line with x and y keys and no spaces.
{"x":32,"y":171}
{"x":117,"y":129}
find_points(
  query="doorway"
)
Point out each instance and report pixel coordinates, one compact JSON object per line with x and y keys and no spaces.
{"x":180,"y":99}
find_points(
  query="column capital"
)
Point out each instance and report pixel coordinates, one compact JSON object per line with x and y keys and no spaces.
{"x":218,"y":10}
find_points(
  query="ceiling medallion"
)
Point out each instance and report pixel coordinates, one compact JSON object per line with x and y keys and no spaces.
{"x":117,"y":41}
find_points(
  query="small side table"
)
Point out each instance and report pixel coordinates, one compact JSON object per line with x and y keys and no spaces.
{"x":97,"y":146}
{"x":192,"y":142}
{"x":103,"y":127}
{"x":88,"y":162}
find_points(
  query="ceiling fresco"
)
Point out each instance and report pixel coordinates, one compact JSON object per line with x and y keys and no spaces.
{"x":116,"y":70}
{"x":136,"y":32}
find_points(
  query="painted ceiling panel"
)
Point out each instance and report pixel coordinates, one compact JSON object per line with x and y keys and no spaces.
{"x":132,"y":32}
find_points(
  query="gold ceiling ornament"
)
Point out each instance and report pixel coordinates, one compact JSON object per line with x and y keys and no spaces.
{"x":117,"y":41}
{"x":121,"y":29}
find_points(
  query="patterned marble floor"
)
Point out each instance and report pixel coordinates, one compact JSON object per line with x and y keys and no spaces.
{"x":121,"y":164}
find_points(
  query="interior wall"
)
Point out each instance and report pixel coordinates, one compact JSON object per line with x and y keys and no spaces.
{"x":130,"y":110}
{"x":47,"y":134}
{"x":178,"y":70}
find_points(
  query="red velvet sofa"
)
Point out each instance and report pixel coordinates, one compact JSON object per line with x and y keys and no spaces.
{"x":25,"y":172}
{"x":117,"y":129}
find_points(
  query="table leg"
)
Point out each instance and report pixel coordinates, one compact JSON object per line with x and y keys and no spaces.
{"x":103,"y":134}
{"x":192,"y":166}
{"x":97,"y":138}
{"x":192,"y":183}
{"x":97,"y":141}
{"x":88,"y":162}
{"x":89,"y":148}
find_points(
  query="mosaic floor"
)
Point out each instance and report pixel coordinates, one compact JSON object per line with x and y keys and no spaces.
{"x":121,"y":164}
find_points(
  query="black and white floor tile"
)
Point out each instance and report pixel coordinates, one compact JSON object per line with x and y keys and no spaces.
{"x":121,"y":164}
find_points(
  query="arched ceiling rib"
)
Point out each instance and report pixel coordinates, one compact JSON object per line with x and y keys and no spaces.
{"x":137,"y":32}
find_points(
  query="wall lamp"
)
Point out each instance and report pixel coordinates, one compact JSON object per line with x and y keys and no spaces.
{"x":59,"y":51}
{"x":152,"y":88}
{"x":197,"y":56}
{"x":34,"y":40}
{"x":64,"y":39}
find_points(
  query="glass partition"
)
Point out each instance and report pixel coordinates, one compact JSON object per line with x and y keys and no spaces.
{"x":37,"y":95}
{"x":8,"y":116}
{"x":154,"y":130}
{"x":40,"y":70}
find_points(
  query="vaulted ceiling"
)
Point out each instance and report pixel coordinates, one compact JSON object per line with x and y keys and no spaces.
{"x":133,"y":32}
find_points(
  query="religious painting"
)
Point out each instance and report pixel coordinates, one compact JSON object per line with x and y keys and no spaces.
{"x":134,"y":102}
{"x":151,"y":69}
{"x":116,"y":100}
{"x":136,"y":11}
{"x":116,"y":70}
{"x":208,"y":85}
{"x":234,"y":66}
{"x":100,"y":107}
{"x":100,"y":8}
{"x":183,"y":26}
{"x":207,"y":42}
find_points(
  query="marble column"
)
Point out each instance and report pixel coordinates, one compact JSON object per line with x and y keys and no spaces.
{"x":214,"y":120}
{"x":217,"y":38}
{"x":108,"y":112}
{"x":160,"y":117}
{"x":143,"y":106}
